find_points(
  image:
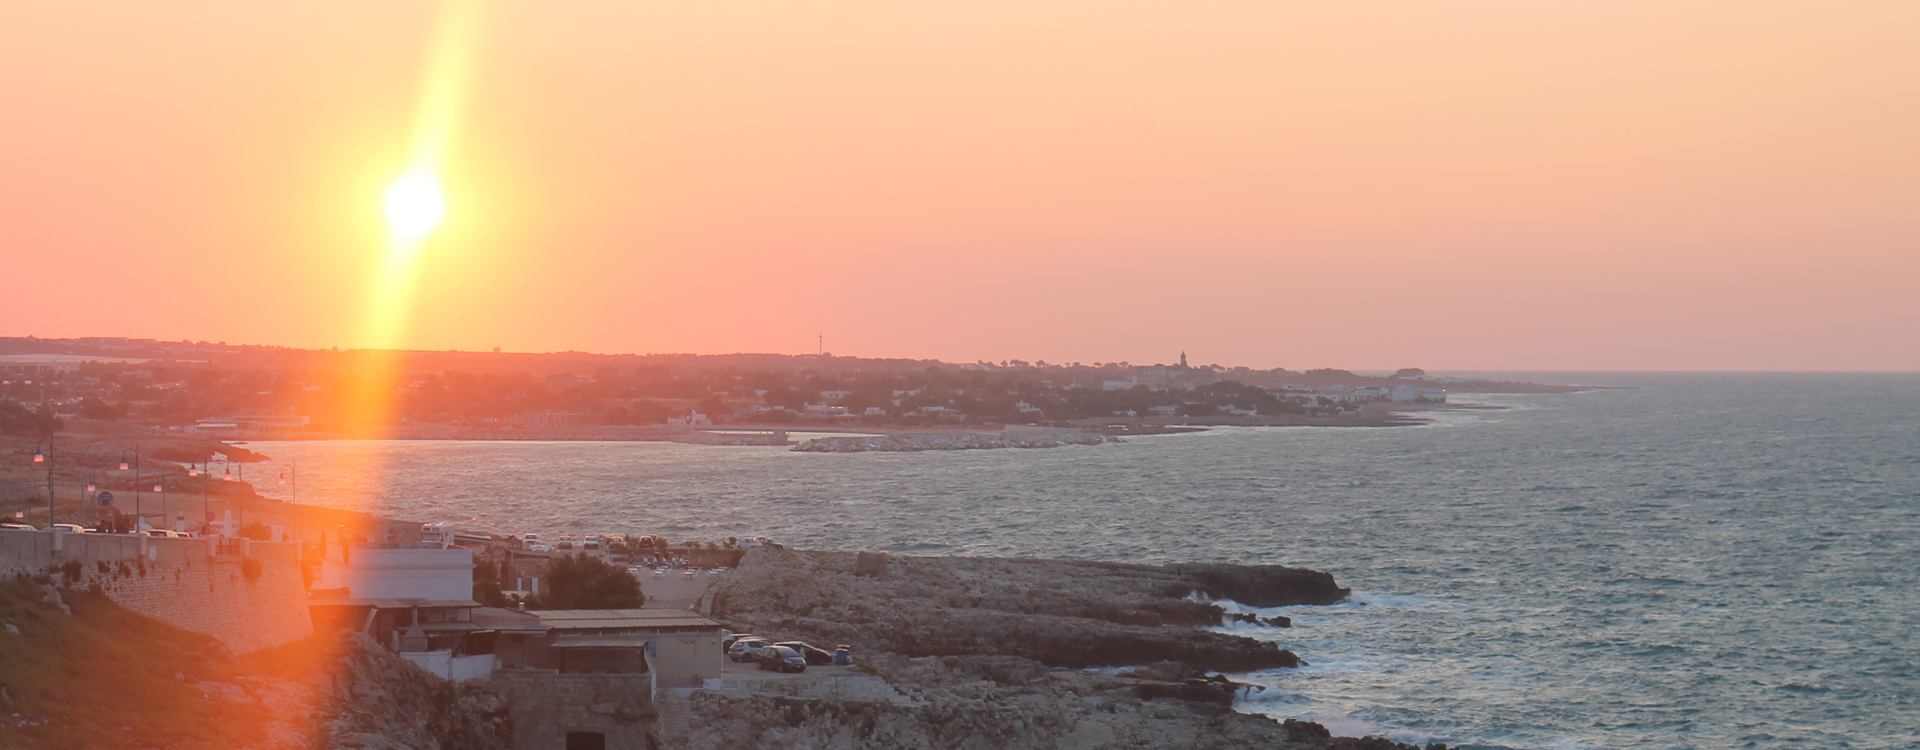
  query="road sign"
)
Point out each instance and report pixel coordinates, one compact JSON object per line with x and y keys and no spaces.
{"x":106,"y":498}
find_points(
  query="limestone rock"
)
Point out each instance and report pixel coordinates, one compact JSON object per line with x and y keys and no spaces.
{"x":1056,"y":612}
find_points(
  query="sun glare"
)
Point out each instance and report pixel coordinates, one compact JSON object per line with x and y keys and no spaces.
{"x":414,"y":206}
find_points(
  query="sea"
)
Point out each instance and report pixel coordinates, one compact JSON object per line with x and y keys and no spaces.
{"x":1671,"y":561}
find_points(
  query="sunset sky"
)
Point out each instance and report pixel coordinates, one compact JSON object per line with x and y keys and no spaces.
{"x":1474,"y":185}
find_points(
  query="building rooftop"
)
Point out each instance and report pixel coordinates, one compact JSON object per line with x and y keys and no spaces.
{"x":496,"y":618}
{"x":393,"y":603}
{"x":592,"y":619}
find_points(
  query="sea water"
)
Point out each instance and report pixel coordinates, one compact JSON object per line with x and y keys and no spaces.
{"x":1689,"y":561}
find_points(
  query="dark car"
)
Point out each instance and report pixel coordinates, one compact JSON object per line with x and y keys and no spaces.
{"x":781,"y":659}
{"x":815,"y":656}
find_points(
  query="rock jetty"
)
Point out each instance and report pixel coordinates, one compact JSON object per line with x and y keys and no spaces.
{"x":956,"y":441}
{"x":985,"y":653}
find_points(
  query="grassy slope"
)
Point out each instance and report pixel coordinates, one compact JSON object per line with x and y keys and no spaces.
{"x":104,"y":677}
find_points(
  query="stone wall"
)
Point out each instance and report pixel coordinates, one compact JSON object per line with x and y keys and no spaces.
{"x":547,"y":706}
{"x":203,"y":585}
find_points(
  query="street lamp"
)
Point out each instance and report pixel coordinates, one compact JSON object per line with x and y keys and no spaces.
{"x":203,"y":476}
{"x":290,"y":475}
{"x":164,"y":517}
{"x":43,"y":454}
{"x":86,"y":497}
{"x":138,"y":518}
{"x":240,"y":519}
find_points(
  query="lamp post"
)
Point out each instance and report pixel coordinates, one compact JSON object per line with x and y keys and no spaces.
{"x":290,"y":475}
{"x":166,"y":520}
{"x":137,"y":517}
{"x":239,"y":519}
{"x":193,"y":471}
{"x":43,"y":454}
{"x":86,"y":498}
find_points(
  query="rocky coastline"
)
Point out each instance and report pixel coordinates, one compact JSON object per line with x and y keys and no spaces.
{"x":947,"y":442}
{"x":993,"y":653}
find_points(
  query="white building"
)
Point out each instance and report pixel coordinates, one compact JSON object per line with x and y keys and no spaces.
{"x":415,"y":598}
{"x":418,"y":570}
{"x":696,"y":419}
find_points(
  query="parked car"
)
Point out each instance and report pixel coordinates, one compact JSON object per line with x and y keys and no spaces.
{"x":781,"y":659}
{"x":813,"y":655}
{"x":71,"y":528}
{"x":166,"y":534}
{"x":747,"y":648}
{"x":18,"y":527}
{"x":733,"y":638}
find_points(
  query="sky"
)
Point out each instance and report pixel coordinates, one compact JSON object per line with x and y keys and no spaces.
{"x":1494,"y":185}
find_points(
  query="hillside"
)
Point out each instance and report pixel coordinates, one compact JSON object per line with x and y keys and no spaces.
{"x":81,"y":672}
{"x":103,"y":677}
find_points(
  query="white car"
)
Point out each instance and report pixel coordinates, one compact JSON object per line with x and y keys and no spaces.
{"x":71,"y":528}
{"x":746,"y":649}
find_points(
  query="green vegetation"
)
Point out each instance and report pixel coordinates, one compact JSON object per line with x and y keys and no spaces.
{"x":104,"y":677}
{"x":585,"y":582}
{"x":486,"y":584}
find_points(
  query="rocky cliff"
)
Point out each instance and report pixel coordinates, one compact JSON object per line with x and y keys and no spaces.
{"x":978,"y":651}
{"x":1056,"y":612}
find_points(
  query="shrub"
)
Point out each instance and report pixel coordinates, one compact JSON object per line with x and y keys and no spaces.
{"x":583,"y":582}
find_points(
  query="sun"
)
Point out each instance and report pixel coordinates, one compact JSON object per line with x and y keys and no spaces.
{"x":414,"y":206}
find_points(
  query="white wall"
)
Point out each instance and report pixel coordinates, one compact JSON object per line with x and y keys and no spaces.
{"x":444,"y":664}
{"x":401,"y":573}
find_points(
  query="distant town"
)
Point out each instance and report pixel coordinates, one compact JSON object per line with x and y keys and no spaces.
{"x":257,"y":392}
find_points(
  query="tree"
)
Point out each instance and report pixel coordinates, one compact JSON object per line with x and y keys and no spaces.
{"x":486,"y":584}
{"x":584,"y":582}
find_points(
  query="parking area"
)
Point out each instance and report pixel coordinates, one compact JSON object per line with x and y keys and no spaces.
{"x":746,"y":671}
{"x":675,"y":590}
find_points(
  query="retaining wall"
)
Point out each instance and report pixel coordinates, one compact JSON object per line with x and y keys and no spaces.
{"x":547,"y":706}
{"x":200,"y":585}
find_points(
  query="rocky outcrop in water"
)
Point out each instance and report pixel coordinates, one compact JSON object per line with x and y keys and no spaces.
{"x":946,"y":442}
{"x":977,"y":654}
{"x":1059,"y":613}
{"x":1262,"y":585}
